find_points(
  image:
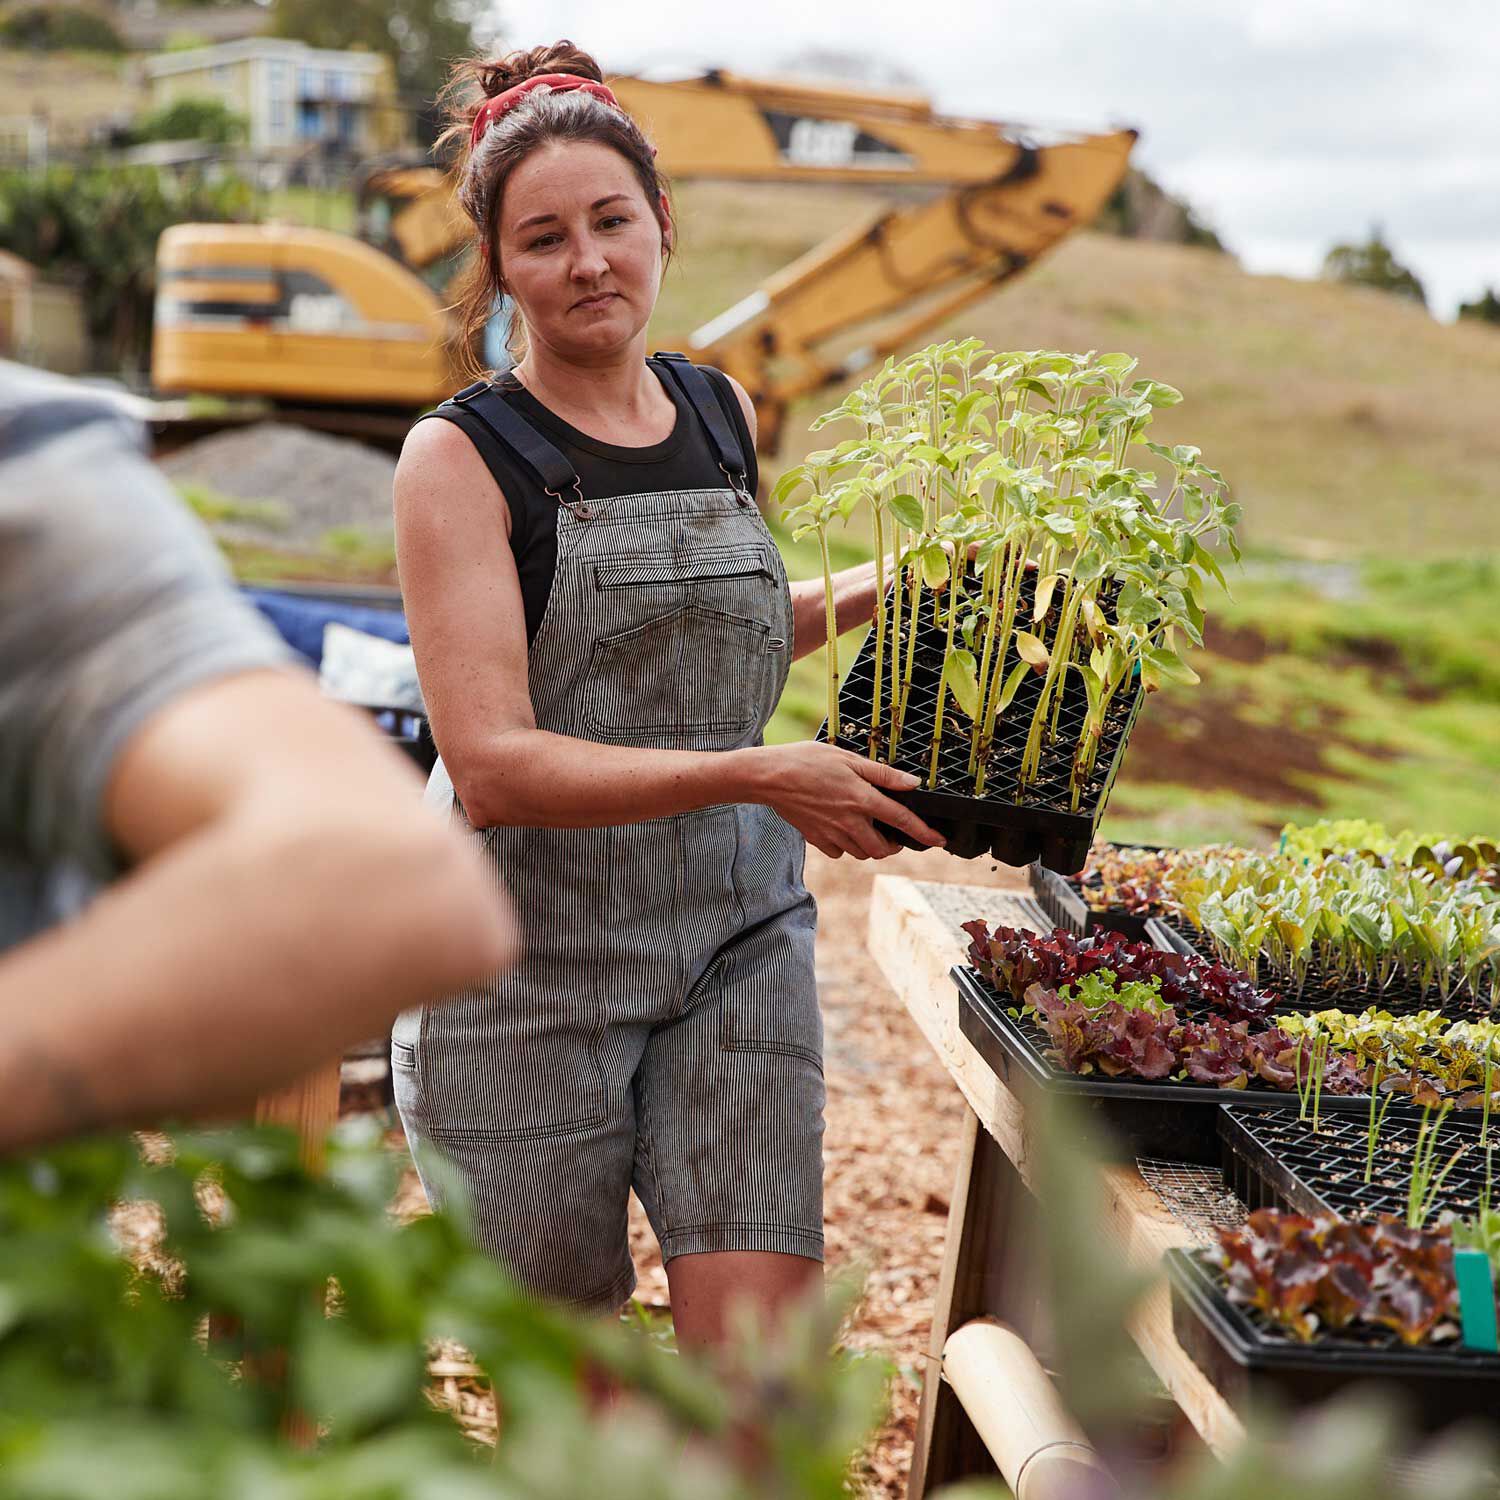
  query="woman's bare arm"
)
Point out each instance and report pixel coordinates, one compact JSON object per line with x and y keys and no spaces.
{"x":468,"y":627}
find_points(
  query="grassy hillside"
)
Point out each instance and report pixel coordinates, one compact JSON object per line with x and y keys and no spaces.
{"x":1357,"y":670}
{"x":1348,"y":420}
{"x":74,"y":91}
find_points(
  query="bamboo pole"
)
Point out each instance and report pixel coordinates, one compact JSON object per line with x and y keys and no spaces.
{"x":1038,"y":1446}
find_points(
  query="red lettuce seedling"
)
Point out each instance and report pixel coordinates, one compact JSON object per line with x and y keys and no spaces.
{"x":1304,"y":1274}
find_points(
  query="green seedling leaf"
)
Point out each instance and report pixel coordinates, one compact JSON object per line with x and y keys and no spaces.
{"x":1012,"y":686}
{"x":1032,"y":651}
{"x":927,"y":454}
{"x":1170,"y":666}
{"x":962,"y":673}
{"x":1117,"y":366}
{"x":1045,"y":588}
{"x":907,"y":509}
{"x":934,"y":565}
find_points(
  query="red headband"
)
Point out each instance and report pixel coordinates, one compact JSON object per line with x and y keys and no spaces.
{"x":559,"y":83}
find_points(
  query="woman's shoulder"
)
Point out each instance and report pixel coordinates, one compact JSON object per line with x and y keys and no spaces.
{"x":445,"y":452}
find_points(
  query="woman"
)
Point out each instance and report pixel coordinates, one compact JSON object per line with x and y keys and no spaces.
{"x":602,"y":625}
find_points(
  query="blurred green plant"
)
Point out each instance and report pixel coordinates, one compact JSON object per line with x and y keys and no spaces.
{"x":110,"y":1391}
{"x":97,"y":227}
{"x":191,"y":118}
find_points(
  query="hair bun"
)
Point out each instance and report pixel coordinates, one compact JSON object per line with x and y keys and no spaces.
{"x":516,"y":67}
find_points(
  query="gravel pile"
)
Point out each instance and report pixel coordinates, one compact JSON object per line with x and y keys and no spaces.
{"x":313,"y":482}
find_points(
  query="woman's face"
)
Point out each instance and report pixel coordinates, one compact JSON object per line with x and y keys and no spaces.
{"x":580,"y":249}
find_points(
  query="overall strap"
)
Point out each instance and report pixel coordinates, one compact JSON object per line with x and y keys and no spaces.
{"x":704,"y":400}
{"x":513,"y":431}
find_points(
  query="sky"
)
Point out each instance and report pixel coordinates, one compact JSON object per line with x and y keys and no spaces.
{"x":1288,"y":124}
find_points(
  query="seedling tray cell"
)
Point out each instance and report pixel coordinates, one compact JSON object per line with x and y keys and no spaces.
{"x":1279,"y":1162}
{"x":1324,"y":991}
{"x":1250,"y":1362}
{"x":1174,"y":1121}
{"x":1016,"y":826}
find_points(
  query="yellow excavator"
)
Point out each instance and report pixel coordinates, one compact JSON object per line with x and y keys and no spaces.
{"x":358,"y":328}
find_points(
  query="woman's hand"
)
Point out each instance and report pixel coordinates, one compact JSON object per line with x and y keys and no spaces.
{"x":833,"y":797}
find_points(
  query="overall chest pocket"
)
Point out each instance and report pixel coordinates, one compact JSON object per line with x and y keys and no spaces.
{"x":691,"y":678}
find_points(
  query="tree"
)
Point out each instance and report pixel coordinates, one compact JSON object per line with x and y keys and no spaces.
{"x":1485,"y":309}
{"x":191,"y":119}
{"x":421,"y":37}
{"x":1373,"y":264}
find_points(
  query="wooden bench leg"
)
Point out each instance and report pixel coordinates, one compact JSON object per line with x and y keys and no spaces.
{"x":983,"y":1272}
{"x":311,"y":1107}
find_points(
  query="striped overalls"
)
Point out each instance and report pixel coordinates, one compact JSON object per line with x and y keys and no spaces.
{"x":663,"y":1030}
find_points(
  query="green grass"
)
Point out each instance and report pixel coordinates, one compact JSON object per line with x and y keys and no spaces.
{"x":210,"y":505}
{"x":1400,"y":685}
{"x":315,"y":208}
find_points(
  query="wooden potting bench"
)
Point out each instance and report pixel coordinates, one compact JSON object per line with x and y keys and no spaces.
{"x":915,"y":938}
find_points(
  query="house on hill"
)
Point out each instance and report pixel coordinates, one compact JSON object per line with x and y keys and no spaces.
{"x":295,"y":98}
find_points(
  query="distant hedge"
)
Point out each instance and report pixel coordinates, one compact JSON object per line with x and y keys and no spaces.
{"x":59,"y":28}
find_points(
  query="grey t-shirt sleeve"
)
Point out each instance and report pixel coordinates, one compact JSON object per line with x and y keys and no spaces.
{"x":115,"y":602}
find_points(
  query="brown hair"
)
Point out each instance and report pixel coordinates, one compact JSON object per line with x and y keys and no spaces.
{"x":481,"y":173}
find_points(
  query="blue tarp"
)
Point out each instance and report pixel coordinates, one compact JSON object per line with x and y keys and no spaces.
{"x":299,"y":620}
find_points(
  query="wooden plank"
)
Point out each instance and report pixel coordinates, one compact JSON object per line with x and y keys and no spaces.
{"x":1146,"y":1231}
{"x":915,"y":949}
{"x":980,"y":1273}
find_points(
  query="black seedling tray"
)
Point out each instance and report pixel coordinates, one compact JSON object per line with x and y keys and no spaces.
{"x":1039,"y":825}
{"x":1065,"y":900}
{"x":1323,"y":991}
{"x":1279,"y":1162}
{"x":1170,"y":1121}
{"x":1250,"y":1362}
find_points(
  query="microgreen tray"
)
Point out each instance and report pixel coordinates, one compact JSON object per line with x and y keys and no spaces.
{"x":1170,"y":1120}
{"x":1250,"y":1362}
{"x":1323,"y":991}
{"x":1016,"y":827}
{"x":1277,"y":1161}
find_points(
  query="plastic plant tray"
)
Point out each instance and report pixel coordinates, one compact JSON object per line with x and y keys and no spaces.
{"x":1173,"y":1121}
{"x":1015,"y":827}
{"x":1065,"y":900}
{"x":1280,"y":1162}
{"x":1250,"y":1362}
{"x":1323,"y":991}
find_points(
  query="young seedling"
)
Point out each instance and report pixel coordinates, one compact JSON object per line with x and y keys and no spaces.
{"x":1081,"y":570}
{"x":1427,"y":1178}
{"x":1378,"y":1107}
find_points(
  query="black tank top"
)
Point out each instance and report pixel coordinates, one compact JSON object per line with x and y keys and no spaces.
{"x":684,"y":460}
